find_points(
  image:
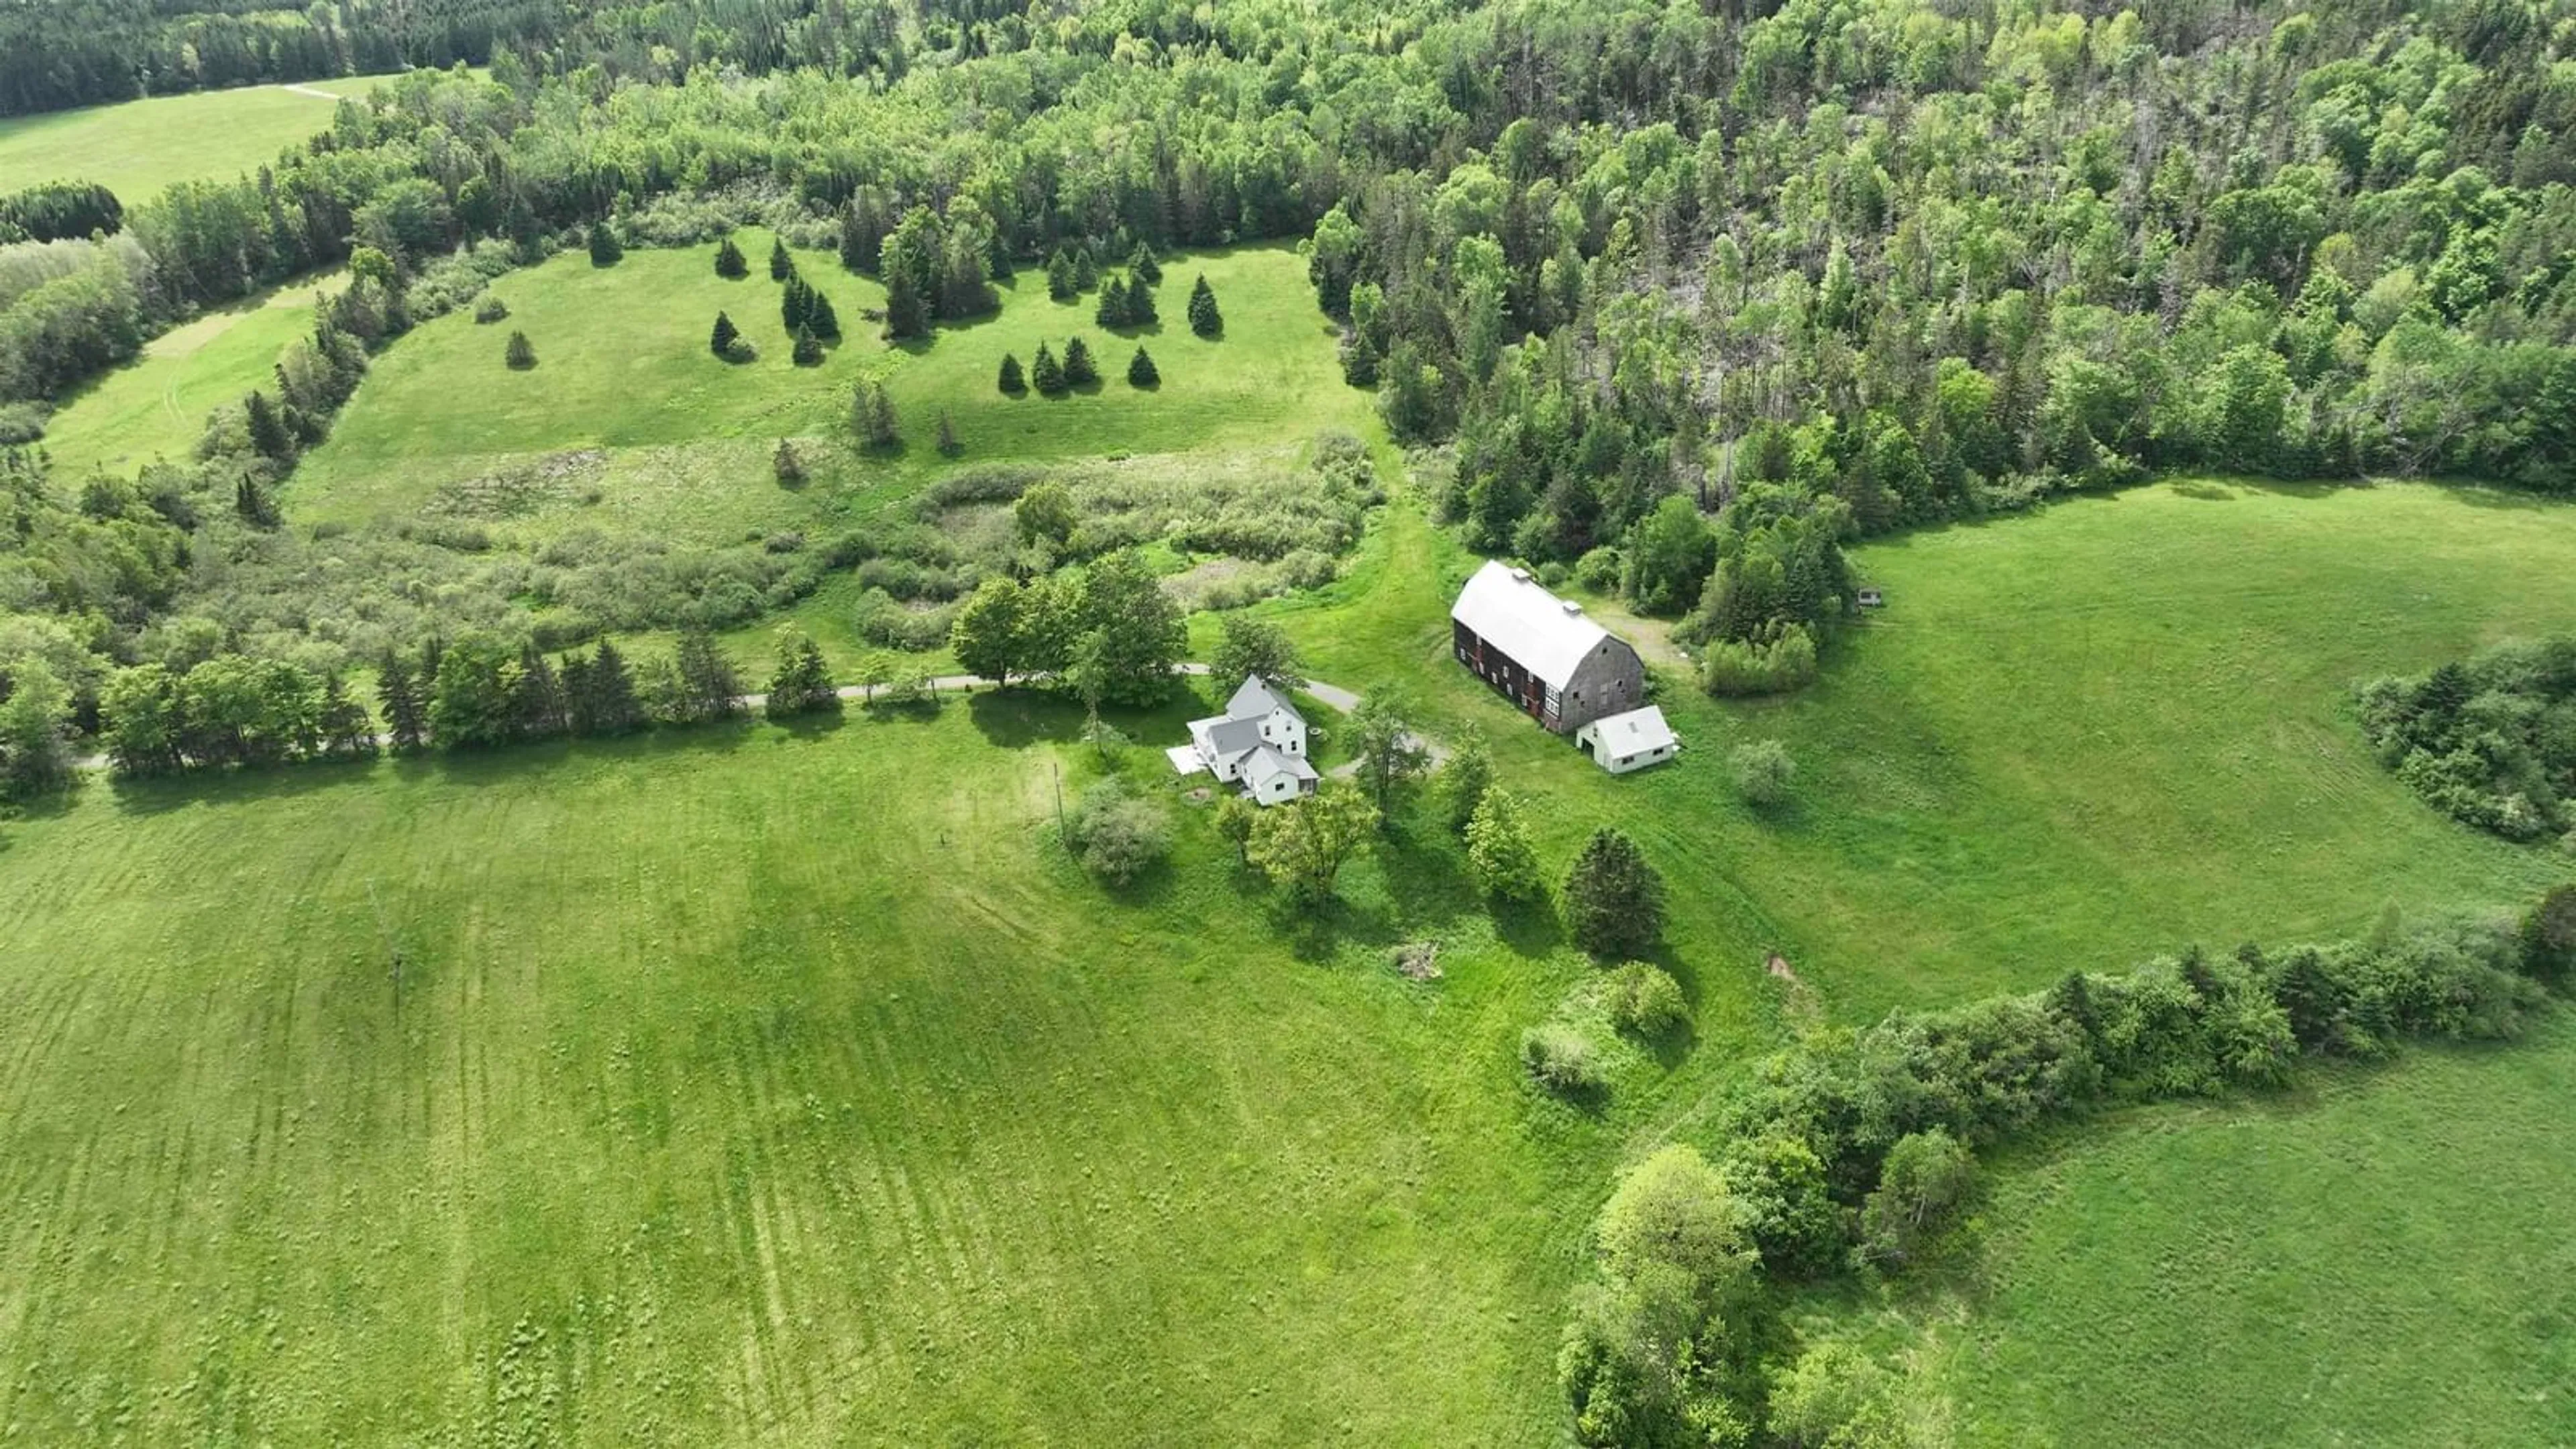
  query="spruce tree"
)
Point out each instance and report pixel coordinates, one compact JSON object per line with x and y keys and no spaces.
{"x":398,"y":694}
{"x":267,"y":430}
{"x":872,"y":415}
{"x":1112,"y":311}
{"x":708,"y":687}
{"x":604,"y":250}
{"x":1060,"y":283}
{"x":1011,"y":381}
{"x":730,"y":262}
{"x":1205,"y":320}
{"x":781,"y":265}
{"x":819,"y":316}
{"x":1140,"y":304}
{"x":809,"y":348}
{"x":539,"y":697}
{"x":1046,"y":374}
{"x":789,"y":468}
{"x":613,"y":707}
{"x":858,"y":247}
{"x":1079,"y":370}
{"x":907,"y":312}
{"x":1086,"y":271}
{"x":721,"y":340}
{"x":1614,"y":900}
{"x":1140,"y":370}
{"x":795,"y":304}
{"x":1143,"y":265}
{"x":521,"y":354}
{"x":251,"y":502}
{"x":347,"y":731}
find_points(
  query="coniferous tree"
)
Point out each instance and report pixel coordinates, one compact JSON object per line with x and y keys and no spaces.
{"x":1614,"y":900}
{"x":819,"y":316}
{"x":610,"y":703}
{"x":1140,"y":371}
{"x":348,"y":732}
{"x":721,"y":340}
{"x":1112,"y":311}
{"x":1141,"y":311}
{"x":398,"y":694}
{"x":907,"y":312}
{"x":709,"y":690}
{"x":1079,"y":369}
{"x":730,"y":262}
{"x":789,"y":468}
{"x":858,"y":244}
{"x":520,"y":354}
{"x":268,"y":431}
{"x":781,"y":265}
{"x":1060,"y":282}
{"x":1086,"y":270}
{"x":1012,"y":382}
{"x":802,"y":683}
{"x":809,"y":348}
{"x":872,"y":415}
{"x":604,"y":249}
{"x":540,"y":698}
{"x":251,"y":502}
{"x":1143,"y":265}
{"x":1205,"y":320}
{"x":795,"y":304}
{"x":1046,"y":374}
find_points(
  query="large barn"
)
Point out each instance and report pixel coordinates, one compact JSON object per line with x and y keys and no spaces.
{"x":1541,"y":652}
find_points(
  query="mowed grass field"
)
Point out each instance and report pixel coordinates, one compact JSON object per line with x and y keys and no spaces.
{"x":137,"y":148}
{"x":623,"y":365}
{"x":156,"y":406}
{"x":2380,"y":1259}
{"x":753,"y":1087}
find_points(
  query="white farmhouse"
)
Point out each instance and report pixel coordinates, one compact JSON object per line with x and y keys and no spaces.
{"x":1632,"y":741}
{"x":1258,"y":743}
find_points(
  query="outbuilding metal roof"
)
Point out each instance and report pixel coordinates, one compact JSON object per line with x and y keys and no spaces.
{"x":1544,"y":634}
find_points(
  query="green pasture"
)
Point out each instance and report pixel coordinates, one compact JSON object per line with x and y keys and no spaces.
{"x":2380,"y":1258}
{"x":137,"y":148}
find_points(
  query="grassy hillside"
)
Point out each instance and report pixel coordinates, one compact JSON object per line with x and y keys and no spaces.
{"x":137,"y":148}
{"x":156,"y":406}
{"x":623,"y":363}
{"x":2383,"y":1259}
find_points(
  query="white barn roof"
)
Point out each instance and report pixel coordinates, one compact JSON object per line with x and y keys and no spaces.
{"x":1633,"y":733}
{"x":1544,"y":634}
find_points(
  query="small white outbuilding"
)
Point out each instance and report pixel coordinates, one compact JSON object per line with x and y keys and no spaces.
{"x":1632,"y":741}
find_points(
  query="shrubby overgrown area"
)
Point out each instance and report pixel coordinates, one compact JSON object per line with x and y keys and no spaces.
{"x":2491,"y":741}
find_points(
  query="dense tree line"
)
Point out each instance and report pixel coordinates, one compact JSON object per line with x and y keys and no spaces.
{"x":1852,"y":1148}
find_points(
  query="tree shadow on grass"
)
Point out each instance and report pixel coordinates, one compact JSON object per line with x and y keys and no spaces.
{"x":235,"y":785}
{"x":1013,"y":717}
{"x":816,"y":725}
{"x":1317,"y":931}
{"x":919,"y":709}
